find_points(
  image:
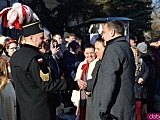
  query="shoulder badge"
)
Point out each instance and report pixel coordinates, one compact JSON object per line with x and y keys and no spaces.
{"x":45,"y":76}
{"x":40,"y":60}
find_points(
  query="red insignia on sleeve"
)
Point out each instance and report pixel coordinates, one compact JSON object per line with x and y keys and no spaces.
{"x":40,"y":60}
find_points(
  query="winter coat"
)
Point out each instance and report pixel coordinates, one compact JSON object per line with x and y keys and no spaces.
{"x":113,"y":87}
{"x":144,"y":73}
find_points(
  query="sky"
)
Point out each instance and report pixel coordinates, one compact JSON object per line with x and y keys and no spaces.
{"x":155,"y":1}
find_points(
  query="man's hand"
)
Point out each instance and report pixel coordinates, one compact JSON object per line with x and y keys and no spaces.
{"x":82,"y":85}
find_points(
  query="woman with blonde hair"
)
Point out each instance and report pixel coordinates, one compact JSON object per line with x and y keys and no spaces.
{"x":7,"y":94}
{"x":21,"y":41}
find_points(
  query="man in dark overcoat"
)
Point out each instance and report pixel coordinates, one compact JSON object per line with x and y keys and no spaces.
{"x":113,"y":87}
{"x":32,"y":76}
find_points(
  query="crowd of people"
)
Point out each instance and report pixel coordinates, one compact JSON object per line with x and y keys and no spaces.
{"x":146,"y":53}
{"x":112,"y":79}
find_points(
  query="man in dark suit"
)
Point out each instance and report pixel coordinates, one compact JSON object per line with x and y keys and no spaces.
{"x":113,"y":87}
{"x":32,"y":76}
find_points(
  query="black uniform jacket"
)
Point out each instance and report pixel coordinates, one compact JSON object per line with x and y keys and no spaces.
{"x":33,"y":81}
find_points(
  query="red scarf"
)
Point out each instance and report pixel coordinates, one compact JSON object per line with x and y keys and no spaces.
{"x":84,"y":71}
{"x":83,"y":77}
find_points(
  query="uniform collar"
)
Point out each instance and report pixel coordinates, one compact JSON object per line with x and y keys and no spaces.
{"x":30,"y":46}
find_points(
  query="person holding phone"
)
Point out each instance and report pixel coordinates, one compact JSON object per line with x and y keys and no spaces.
{"x":57,"y":43}
{"x":58,"y":39}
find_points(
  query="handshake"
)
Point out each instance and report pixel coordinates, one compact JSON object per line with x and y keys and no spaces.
{"x":82,"y":84}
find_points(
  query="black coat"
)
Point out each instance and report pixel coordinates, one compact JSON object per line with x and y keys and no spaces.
{"x":141,"y":89}
{"x":33,"y":81}
{"x":149,"y":60}
{"x":54,"y":99}
{"x":70,"y":64}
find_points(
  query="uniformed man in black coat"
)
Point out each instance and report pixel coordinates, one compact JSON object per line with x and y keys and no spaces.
{"x":32,"y":76}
